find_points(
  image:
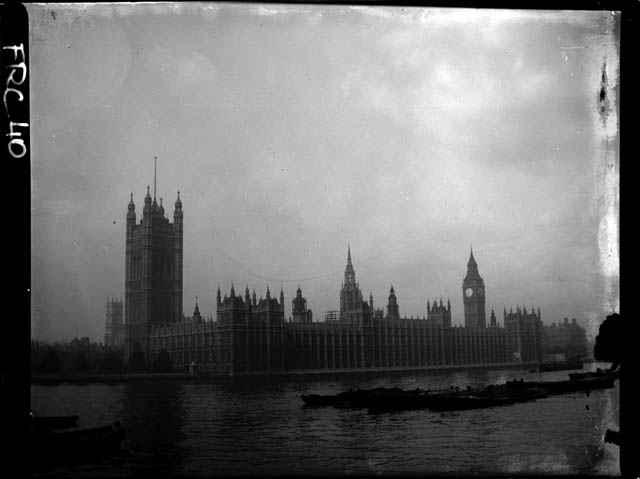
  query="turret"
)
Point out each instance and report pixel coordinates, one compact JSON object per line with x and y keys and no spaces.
{"x":177,"y":212}
{"x":131,"y":210}
{"x":218,"y":300}
{"x":196,"y":312}
{"x":147,"y":202}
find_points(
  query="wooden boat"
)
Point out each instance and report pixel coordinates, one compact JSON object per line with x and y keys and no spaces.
{"x":345,"y":399}
{"x":409,"y":401}
{"x":376,"y":396}
{"x":51,"y":423}
{"x":58,"y":439}
{"x":584,"y":384}
{"x":491,"y":396}
{"x":599,"y":373}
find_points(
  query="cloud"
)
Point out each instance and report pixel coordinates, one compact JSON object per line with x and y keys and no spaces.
{"x":294,"y":131}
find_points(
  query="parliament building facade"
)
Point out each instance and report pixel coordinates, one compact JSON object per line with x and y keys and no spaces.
{"x":250,"y":335}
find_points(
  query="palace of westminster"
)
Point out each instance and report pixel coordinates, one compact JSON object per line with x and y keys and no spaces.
{"x":251,"y":335}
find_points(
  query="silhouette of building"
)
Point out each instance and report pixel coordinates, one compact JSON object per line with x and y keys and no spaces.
{"x":473,"y":296}
{"x":114,"y":324}
{"x":524,"y":333}
{"x":250,"y":335}
{"x":567,"y":337}
{"x":153,"y":286}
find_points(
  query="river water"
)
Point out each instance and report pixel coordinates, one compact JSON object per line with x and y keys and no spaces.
{"x":260,"y":427}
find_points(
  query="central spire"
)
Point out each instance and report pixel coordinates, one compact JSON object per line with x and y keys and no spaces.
{"x":349,"y":273}
{"x":155,"y":167}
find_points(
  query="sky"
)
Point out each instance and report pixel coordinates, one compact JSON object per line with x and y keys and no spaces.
{"x":295,"y":131}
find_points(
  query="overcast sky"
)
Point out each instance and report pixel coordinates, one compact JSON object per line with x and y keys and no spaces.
{"x":294,"y":131}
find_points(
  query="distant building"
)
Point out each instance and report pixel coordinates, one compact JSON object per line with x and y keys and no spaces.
{"x":114,"y":324}
{"x":567,"y":337}
{"x":524,"y":334}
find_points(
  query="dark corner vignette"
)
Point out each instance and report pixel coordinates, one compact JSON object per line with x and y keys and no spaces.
{"x":16,"y":155}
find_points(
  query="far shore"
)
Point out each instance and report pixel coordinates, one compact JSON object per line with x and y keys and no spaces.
{"x":81,"y":378}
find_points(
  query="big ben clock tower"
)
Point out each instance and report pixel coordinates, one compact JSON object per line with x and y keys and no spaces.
{"x":473,"y":296}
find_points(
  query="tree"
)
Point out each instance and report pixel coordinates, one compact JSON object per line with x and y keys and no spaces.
{"x":608,"y":341}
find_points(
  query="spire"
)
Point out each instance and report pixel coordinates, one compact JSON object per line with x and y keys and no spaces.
{"x":178,"y":204}
{"x":349,"y":273}
{"x":233,"y":292}
{"x":155,"y":167}
{"x":472,"y":260}
{"x":391,"y":291}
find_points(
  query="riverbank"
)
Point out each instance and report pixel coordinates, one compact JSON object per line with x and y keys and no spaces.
{"x":57,"y":378}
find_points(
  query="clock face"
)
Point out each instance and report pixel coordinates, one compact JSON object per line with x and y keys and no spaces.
{"x":468,"y":292}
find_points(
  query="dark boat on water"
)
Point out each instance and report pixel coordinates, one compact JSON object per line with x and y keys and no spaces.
{"x":43,"y":424}
{"x":492,"y":396}
{"x":581,"y":384}
{"x":599,"y":373}
{"x":58,"y":439}
{"x":347,"y":399}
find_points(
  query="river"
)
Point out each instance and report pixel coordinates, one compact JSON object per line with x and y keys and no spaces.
{"x":242,"y":426}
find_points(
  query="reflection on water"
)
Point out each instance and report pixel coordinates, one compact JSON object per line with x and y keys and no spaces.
{"x":259,"y":426}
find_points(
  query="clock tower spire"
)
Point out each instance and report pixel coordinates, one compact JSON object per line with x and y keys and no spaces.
{"x":473,"y":296}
